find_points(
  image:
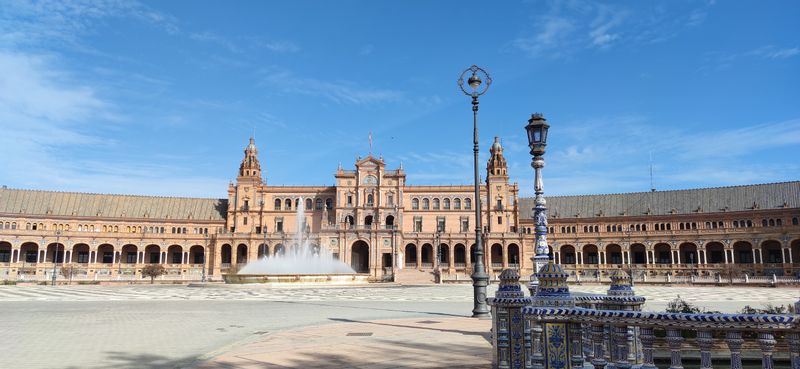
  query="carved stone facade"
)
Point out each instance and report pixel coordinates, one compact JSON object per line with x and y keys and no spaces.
{"x":371,"y":219}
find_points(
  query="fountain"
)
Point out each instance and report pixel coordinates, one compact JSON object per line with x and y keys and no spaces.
{"x":302,"y":263}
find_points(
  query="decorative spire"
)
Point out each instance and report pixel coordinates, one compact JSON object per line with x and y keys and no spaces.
{"x":552,"y":288}
{"x":250,"y":167}
{"x":620,"y":284}
{"x":497,"y":163}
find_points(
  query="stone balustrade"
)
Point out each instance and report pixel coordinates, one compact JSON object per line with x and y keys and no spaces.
{"x":555,"y":329}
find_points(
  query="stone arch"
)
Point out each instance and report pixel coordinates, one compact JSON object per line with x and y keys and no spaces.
{"x":241,"y":253}
{"x":472,"y":257}
{"x":226,"y":253}
{"x":81,"y":254}
{"x":389,"y":221}
{"x":359,"y":256}
{"x":460,"y":254}
{"x":688,"y":253}
{"x":591,"y":254}
{"x":368,"y":220}
{"x":152,"y":254}
{"x":411,"y":255}
{"x":263,"y":250}
{"x":743,"y":252}
{"x":427,"y":254}
{"x":175,"y":254}
{"x":29,"y":253}
{"x":715,"y":253}
{"x":614,"y":254}
{"x":197,"y":255}
{"x":496,"y":254}
{"x":5,"y":252}
{"x":567,"y":254}
{"x":55,"y":252}
{"x":795,"y":251}
{"x":105,"y":253}
{"x":280,"y":249}
{"x":662,"y":253}
{"x":129,"y":254}
{"x":638,"y":254}
{"x":444,"y":254}
{"x":513,"y":254}
{"x":771,"y":252}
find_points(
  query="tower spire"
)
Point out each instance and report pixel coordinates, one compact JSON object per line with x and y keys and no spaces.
{"x":250,"y":168}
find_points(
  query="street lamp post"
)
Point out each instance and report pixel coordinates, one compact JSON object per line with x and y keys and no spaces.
{"x":55,"y":256}
{"x":205,"y":251}
{"x":537,"y":140}
{"x":439,"y":254}
{"x":475,"y":88}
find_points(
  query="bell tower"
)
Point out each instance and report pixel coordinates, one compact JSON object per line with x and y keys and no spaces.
{"x":245,"y":197}
{"x":499,"y":198}
{"x":250,"y":169}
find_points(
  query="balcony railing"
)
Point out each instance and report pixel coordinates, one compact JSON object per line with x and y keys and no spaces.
{"x":557,"y":329}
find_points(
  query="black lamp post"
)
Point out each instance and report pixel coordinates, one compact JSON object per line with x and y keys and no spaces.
{"x":55,"y":256}
{"x":475,"y":88}
{"x":537,"y":140}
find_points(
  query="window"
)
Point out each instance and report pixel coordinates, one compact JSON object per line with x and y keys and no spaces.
{"x":446,"y":204}
{"x":176,"y":258}
{"x":246,"y":204}
{"x":749,"y":223}
{"x":499,"y":220}
{"x":130,"y":257}
{"x":669,"y":226}
{"x":279,"y":225}
{"x":426,"y":204}
{"x":795,"y":221}
{"x":389,"y":200}
{"x":417,"y":224}
{"x":329,"y":204}
{"x":319,"y":204}
{"x":108,"y":257}
{"x":309,"y":204}
{"x":735,"y":224}
{"x":778,"y":222}
{"x":277,"y":204}
{"x":435,"y":204}
{"x":440,"y":225}
{"x":349,"y":200}
{"x":287,"y":204}
{"x":457,"y":204}
{"x":467,"y":203}
{"x":83,"y":257}
{"x":763,"y":222}
{"x":772,"y":222}
{"x":370,"y":200}
{"x":415,"y":204}
{"x":5,"y":256}
{"x":296,"y":203}
{"x":499,"y":205}
{"x":464,"y":224}
{"x":244,"y":221}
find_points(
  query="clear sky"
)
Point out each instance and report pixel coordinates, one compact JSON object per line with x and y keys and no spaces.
{"x":161,"y":97}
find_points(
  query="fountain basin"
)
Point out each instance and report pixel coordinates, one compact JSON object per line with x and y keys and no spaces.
{"x":344,"y":279}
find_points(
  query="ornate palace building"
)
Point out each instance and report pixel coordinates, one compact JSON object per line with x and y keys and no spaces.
{"x":373,"y":221}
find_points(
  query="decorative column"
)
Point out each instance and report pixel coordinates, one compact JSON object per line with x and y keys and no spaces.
{"x":767,"y":344}
{"x":648,"y":338}
{"x":599,"y":361}
{"x":537,"y":140}
{"x":794,"y":349}
{"x":705,"y":341}
{"x":735,"y":341}
{"x":674,"y":340}
{"x":621,"y":343}
{"x":576,"y":345}
{"x":508,"y":323}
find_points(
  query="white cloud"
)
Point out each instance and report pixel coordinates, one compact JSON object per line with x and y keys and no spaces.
{"x":338,"y":91}
{"x":281,"y":46}
{"x":773,"y":52}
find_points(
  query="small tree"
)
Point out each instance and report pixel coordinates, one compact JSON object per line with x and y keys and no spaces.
{"x":68,"y":271}
{"x":153,"y":271}
{"x":730,"y":271}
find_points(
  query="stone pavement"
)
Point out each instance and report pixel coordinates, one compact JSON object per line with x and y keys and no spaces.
{"x":382,"y":344}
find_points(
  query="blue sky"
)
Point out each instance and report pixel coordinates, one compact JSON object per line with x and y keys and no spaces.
{"x":160,"y":97}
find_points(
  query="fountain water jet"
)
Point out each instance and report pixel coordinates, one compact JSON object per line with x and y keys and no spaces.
{"x":303,"y":262}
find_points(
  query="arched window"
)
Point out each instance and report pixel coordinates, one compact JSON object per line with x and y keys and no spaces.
{"x":296,"y":203}
{"x":585,"y":229}
{"x":309,"y":204}
{"x":735,"y":224}
{"x":778,"y":222}
{"x":669,"y":226}
{"x":368,"y":220}
{"x":638,"y":227}
{"x":772,"y":222}
{"x":277,"y":204}
{"x":596,"y":229}
{"x":680,"y":226}
{"x":644,"y":227}
{"x":574,"y":229}
{"x":614,"y":228}
{"x":749,"y":223}
{"x":329,"y":203}
{"x":319,"y":204}
{"x":446,"y":204}
{"x":763,"y":222}
{"x":288,"y":204}
{"x":435,"y":204}
{"x":426,"y":204}
{"x":370,"y":200}
{"x":468,"y":203}
{"x":415,"y":204}
{"x":457,"y":204}
{"x":795,"y":221}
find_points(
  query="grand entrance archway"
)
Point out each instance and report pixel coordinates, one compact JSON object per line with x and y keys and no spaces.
{"x":359,"y":257}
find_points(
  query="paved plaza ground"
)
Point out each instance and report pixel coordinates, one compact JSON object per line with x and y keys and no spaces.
{"x":174,"y":326}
